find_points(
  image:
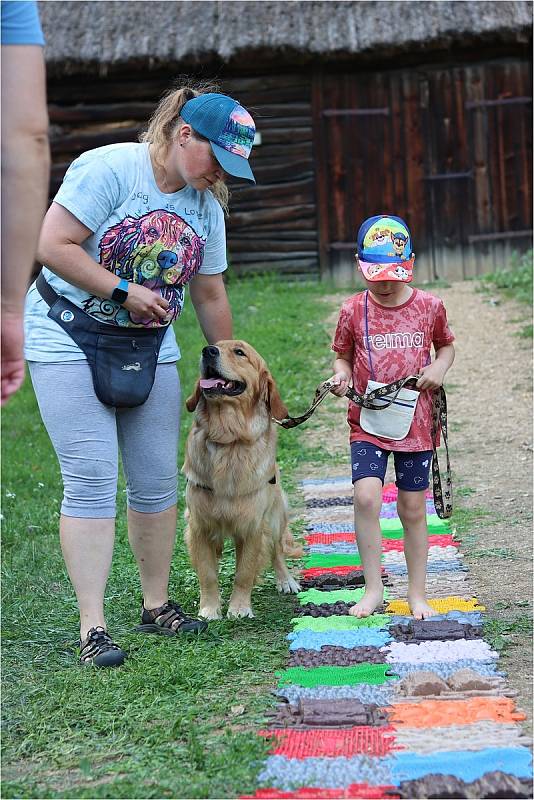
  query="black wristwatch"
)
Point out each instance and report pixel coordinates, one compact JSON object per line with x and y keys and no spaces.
{"x":120,"y":292}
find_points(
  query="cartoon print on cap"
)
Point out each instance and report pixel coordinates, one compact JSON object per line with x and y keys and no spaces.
{"x":374,"y":269}
{"x":401,"y":273}
{"x":387,"y":237}
{"x":384,"y":249}
{"x":158,"y":250}
{"x":399,"y":243}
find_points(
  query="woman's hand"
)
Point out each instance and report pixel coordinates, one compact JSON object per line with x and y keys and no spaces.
{"x":145,"y":303}
{"x":341,"y":383}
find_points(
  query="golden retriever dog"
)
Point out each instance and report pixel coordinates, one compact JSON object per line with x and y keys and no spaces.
{"x":233,"y":482}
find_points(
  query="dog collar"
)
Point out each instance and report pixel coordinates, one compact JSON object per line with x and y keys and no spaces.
{"x":209,"y":488}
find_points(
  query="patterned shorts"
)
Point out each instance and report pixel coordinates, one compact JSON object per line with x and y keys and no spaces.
{"x":411,"y":469}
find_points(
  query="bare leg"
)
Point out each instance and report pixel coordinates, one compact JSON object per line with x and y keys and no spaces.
{"x":204,"y":555}
{"x":152,"y":538}
{"x":367,"y":504}
{"x":250,"y":559}
{"x":411,"y":507}
{"x":87,"y":546}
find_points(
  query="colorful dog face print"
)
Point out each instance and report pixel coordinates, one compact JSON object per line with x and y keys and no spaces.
{"x":158,"y":250}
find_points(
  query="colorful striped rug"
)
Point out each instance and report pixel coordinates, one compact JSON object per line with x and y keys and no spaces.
{"x":389,"y":706}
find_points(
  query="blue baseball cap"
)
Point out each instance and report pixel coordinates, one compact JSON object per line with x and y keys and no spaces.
{"x":384,"y":249}
{"x":229,"y":128}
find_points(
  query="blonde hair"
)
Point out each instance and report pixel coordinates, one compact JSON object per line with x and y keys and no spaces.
{"x":165,"y":123}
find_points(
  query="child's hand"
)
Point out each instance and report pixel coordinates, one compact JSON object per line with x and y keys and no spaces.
{"x":431,"y":377}
{"x":341,"y":382}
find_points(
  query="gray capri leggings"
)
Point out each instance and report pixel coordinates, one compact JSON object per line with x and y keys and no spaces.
{"x":87,"y":436}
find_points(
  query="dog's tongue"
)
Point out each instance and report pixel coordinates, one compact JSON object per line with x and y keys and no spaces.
{"x":211,"y":383}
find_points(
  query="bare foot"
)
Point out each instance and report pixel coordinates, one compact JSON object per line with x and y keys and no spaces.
{"x":369,"y":603}
{"x":420,"y":608}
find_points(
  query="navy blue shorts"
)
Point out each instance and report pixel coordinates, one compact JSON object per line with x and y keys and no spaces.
{"x":411,"y":469}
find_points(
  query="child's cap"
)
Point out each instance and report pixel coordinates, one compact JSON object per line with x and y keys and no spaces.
{"x":384,"y":249}
{"x":228,"y":126}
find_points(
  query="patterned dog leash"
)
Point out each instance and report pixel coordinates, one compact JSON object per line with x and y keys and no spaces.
{"x":442,"y":493}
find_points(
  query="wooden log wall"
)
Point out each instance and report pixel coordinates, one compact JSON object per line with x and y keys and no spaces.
{"x":272,"y":225}
{"x":447,"y":147}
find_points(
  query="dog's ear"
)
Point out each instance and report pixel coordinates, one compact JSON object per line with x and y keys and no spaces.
{"x":192,"y":401}
{"x":272,"y":397}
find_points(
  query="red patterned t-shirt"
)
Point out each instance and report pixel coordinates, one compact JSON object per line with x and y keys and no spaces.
{"x":400,"y":341}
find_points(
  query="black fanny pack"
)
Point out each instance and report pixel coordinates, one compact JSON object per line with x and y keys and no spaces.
{"x":122,"y":360}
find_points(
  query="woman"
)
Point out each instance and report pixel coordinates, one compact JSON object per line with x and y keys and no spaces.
{"x":130,"y":226}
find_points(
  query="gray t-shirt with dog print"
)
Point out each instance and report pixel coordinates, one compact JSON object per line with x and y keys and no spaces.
{"x":139,"y":233}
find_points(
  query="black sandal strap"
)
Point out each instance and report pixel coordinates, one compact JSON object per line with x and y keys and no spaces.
{"x":168,"y":615}
{"x":97,"y":641}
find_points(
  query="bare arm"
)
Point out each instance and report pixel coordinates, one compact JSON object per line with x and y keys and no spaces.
{"x":25,"y":171}
{"x":209,"y":298}
{"x":432,"y":376}
{"x":60,"y":249}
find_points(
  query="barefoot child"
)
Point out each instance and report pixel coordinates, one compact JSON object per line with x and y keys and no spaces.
{"x":383,"y":334}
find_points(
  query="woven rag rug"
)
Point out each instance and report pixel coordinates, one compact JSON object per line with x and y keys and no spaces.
{"x":389,"y":706}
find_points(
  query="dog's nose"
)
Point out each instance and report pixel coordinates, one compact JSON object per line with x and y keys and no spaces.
{"x":167,"y":259}
{"x":210,"y":352}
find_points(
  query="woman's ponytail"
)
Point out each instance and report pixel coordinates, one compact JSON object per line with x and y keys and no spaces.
{"x":165,"y":123}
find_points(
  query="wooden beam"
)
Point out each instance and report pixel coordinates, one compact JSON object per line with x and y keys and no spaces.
{"x":321,"y":187}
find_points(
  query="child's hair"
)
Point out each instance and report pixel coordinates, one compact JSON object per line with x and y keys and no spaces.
{"x":165,"y":123}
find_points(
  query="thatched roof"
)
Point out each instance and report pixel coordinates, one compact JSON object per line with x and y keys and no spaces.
{"x":121,"y":31}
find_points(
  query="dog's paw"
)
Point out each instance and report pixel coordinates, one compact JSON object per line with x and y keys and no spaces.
{"x":210,"y":613}
{"x":288,"y":585}
{"x":236,"y":612}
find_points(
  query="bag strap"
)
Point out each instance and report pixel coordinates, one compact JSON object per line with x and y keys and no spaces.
{"x":48,"y":294}
{"x":51,"y":297}
{"x":442,"y":494}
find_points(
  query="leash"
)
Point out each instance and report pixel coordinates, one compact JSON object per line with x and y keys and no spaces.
{"x":442,"y":492}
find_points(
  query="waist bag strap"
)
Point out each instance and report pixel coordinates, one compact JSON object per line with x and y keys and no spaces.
{"x":45,"y":290}
{"x":82,"y":321}
{"x":442,"y":494}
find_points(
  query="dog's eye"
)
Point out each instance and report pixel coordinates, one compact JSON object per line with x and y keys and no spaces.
{"x":239,"y":352}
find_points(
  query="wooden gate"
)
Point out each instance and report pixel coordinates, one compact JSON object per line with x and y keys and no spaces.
{"x":447,"y":148}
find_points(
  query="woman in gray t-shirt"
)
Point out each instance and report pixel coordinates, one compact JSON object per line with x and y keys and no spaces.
{"x":130,"y":227}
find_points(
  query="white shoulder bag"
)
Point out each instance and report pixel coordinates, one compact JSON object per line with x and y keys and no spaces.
{"x":391,"y":421}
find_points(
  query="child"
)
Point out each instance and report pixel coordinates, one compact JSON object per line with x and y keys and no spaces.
{"x":383,"y":334}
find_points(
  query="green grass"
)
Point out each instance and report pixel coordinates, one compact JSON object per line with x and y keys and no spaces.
{"x":515,"y":283}
{"x":503,"y":634}
{"x":178,"y":720}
